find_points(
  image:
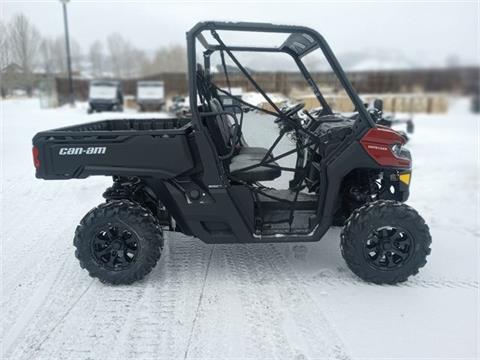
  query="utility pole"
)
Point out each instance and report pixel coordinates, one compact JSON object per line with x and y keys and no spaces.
{"x":67,"y":46}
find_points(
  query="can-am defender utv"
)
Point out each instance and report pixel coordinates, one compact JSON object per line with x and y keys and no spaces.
{"x":105,"y":95}
{"x":198,"y":176}
{"x":150,"y":95}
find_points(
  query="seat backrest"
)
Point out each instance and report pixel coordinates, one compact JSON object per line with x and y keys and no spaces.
{"x":219,"y":127}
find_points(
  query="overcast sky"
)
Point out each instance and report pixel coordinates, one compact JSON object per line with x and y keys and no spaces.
{"x":433,"y":30}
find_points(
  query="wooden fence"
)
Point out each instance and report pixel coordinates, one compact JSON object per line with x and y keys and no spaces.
{"x":455,"y":80}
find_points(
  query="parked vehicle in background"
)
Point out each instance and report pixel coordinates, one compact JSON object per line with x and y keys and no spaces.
{"x":150,"y":95}
{"x":475,"y":105}
{"x":105,"y":95}
{"x":180,"y":106}
{"x":232,"y":102}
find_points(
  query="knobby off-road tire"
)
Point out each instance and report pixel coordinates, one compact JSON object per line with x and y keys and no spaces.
{"x":385,"y":242}
{"x":118,"y":242}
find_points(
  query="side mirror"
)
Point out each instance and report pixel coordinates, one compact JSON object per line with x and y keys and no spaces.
{"x":378,"y":104}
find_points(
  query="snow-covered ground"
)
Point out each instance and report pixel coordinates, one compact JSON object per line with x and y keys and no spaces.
{"x":259,"y":301}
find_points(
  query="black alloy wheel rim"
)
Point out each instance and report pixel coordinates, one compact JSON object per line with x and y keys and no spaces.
{"x":388,"y":248}
{"x":115,"y":247}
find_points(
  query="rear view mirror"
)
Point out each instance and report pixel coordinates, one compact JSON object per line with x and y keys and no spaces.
{"x":378,"y":104}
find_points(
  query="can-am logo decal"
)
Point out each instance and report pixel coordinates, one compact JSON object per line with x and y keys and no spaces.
{"x":93,"y":150}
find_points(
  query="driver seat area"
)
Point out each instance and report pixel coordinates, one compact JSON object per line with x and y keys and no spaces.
{"x":259,"y":173}
{"x":222,"y":131}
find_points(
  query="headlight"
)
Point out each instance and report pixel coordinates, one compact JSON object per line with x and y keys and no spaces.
{"x":397,"y":150}
{"x":400,"y":152}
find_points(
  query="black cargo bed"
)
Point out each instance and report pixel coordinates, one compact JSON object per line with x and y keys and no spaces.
{"x":172,"y":125}
{"x":127,"y":147}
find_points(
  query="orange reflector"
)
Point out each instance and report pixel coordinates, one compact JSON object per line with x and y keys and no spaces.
{"x":405,"y":178}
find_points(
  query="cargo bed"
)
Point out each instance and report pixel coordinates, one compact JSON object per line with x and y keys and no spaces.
{"x":127,"y":147}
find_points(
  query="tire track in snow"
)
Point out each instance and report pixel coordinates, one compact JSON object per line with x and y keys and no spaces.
{"x":161,"y":322}
{"x":252,"y":300}
{"x":17,"y":229}
{"x":63,"y":290}
{"x":46,"y":317}
{"x":320,"y":336}
{"x":92,"y":329}
{"x":206,"y":349}
{"x":277,"y":318}
{"x":36,"y":300}
{"x":31,"y":252}
{"x":197,"y":312}
{"x":64,"y":316}
{"x":345,"y":277}
{"x":238,"y":305}
{"x":260,"y":306}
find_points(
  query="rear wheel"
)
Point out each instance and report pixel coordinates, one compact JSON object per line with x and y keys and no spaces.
{"x":118,"y":242}
{"x":385,"y":242}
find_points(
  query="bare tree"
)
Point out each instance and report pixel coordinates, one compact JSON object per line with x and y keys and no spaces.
{"x":76,"y":56}
{"x":133,"y":60}
{"x":96,"y":57}
{"x":24,"y":42}
{"x":171,"y":58}
{"x":5,"y":53}
{"x":5,"y":59}
{"x":53,"y":55}
{"x":116,"y":45}
{"x":59,"y":54}
{"x":46,"y":52}
{"x":125,"y":59}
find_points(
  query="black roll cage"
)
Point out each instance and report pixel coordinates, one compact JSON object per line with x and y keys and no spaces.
{"x":300,"y":42}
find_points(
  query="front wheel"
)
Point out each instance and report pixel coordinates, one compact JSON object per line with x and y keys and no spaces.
{"x":118,"y":242}
{"x":385,"y":242}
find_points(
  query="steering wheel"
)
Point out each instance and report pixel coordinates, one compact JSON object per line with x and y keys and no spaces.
{"x":293,"y":109}
{"x":289,"y":111}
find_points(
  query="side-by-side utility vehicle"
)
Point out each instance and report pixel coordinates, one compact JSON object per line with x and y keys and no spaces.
{"x":150,"y":95}
{"x":105,"y":95}
{"x":197,"y":174}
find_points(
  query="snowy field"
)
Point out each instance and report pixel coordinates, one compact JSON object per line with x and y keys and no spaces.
{"x":288,"y":301}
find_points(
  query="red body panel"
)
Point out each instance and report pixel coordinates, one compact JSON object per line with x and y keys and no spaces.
{"x":378,"y":142}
